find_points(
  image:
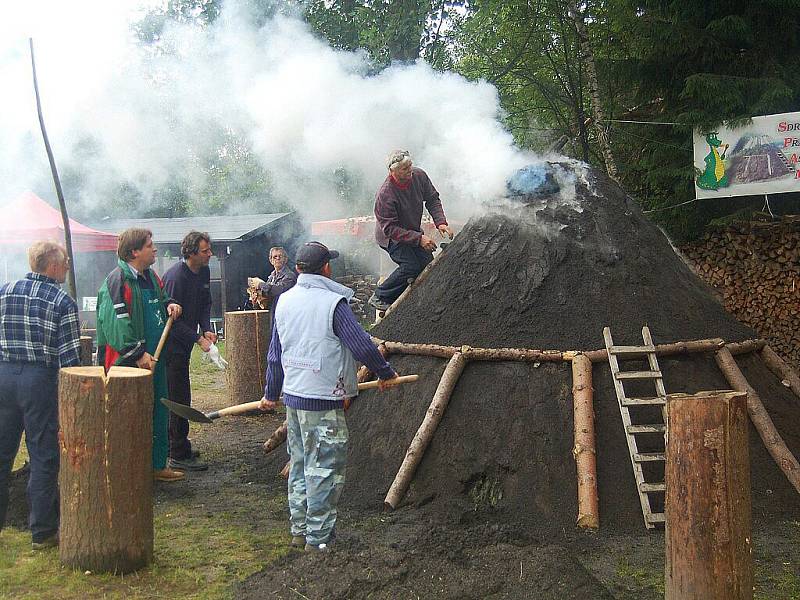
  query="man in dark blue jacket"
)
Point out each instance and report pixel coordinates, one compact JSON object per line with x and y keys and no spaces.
{"x":188,"y":282}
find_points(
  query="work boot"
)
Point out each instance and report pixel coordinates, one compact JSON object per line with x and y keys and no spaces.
{"x":187,"y":464}
{"x":377,"y":303}
{"x":298,"y":541}
{"x":48,"y":542}
{"x":319,"y":548}
{"x":168,"y":475}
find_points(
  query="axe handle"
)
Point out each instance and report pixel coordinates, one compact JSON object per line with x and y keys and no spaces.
{"x":163,"y":339}
{"x":248,"y":406}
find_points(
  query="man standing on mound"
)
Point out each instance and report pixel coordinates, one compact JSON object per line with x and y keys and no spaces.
{"x":398,"y":225}
{"x":316,"y":341}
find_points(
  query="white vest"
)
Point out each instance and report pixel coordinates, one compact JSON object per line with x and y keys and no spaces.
{"x":315,"y":362}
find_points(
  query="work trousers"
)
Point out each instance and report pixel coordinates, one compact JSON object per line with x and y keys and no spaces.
{"x":317,"y":445}
{"x":410,"y":260}
{"x":29,"y":403}
{"x":180,"y":391}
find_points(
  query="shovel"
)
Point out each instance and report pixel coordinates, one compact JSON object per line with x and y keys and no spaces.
{"x":192,"y":414}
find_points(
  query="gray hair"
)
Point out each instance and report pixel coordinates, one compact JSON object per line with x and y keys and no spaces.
{"x":278,"y":249}
{"x":398,"y":158}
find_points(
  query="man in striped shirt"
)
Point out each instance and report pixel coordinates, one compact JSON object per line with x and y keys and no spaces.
{"x":39,"y":333}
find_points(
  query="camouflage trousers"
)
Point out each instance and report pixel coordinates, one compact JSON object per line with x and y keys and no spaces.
{"x":317,"y":444}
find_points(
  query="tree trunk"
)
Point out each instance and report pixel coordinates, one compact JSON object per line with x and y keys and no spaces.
{"x":247,"y":337}
{"x":584,"y":449}
{"x":707,"y":505}
{"x":86,"y":350}
{"x":106,"y":475}
{"x":760,"y":418}
{"x":784,"y":372}
{"x":594,"y":92}
{"x":672,"y":349}
{"x":425,"y":432}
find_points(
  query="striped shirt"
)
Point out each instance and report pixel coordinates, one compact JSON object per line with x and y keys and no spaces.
{"x":38,"y":323}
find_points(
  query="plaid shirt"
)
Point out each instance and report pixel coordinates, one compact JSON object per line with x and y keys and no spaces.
{"x":38,"y":323}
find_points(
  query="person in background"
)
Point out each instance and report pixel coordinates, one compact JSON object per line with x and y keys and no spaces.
{"x":279,"y":281}
{"x":39,"y":333}
{"x":132,"y":310}
{"x":316,"y":340}
{"x":398,"y":225}
{"x":188,"y":282}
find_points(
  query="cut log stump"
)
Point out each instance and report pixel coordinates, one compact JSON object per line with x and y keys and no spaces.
{"x":584,"y":448}
{"x":106,"y":475}
{"x":247,"y":336}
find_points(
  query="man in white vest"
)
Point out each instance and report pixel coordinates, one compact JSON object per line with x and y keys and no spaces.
{"x":316,"y":341}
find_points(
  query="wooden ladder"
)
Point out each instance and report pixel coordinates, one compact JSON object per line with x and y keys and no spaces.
{"x":647,"y":350}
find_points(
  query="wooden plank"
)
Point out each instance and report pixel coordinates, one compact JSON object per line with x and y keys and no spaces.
{"x":639,"y":375}
{"x":654,"y":428}
{"x":656,"y":518}
{"x":652,"y":487}
{"x":631,"y":351}
{"x":649,"y":456}
{"x":653,"y":401}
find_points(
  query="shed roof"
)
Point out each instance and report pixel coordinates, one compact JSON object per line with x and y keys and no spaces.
{"x":225,"y":228}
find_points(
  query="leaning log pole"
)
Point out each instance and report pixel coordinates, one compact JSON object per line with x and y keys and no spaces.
{"x":422,"y":438}
{"x":707,"y":504}
{"x":106,"y":475}
{"x":784,"y":372}
{"x":584,"y":448}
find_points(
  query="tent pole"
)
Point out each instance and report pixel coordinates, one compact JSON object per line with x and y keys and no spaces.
{"x":71,"y":287}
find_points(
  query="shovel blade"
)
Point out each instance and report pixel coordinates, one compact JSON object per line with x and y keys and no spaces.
{"x":187,"y":412}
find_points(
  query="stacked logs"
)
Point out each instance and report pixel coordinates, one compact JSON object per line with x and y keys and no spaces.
{"x":756,"y":269}
{"x":364,"y":286}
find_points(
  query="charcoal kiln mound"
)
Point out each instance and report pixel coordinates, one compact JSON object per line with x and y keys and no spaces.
{"x":548,"y":273}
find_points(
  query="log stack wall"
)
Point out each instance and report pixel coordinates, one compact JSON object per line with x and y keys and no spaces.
{"x":755,"y":267}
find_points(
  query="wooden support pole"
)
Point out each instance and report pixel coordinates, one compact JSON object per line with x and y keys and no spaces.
{"x":745,"y":347}
{"x":424,"y":434}
{"x":707,"y":504}
{"x":672,"y":349}
{"x":106,"y":475}
{"x":277,"y":438}
{"x":364,"y":374}
{"x":86,"y":350}
{"x":784,"y":372}
{"x":760,"y":418}
{"x":247,"y":336}
{"x":584,"y":448}
{"x":419,"y":279}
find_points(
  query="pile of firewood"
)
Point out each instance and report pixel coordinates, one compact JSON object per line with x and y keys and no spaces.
{"x":364,"y":286}
{"x":755,"y":267}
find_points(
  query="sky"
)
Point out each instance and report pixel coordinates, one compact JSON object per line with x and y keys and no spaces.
{"x":305,"y":109}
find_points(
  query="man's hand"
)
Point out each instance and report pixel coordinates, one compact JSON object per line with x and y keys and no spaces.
{"x":204,"y":343}
{"x":174,"y":310}
{"x":267,"y":405}
{"x":210,"y":336}
{"x":146,"y":362}
{"x":427,"y":243}
{"x":384,"y":384}
{"x":445,"y":230}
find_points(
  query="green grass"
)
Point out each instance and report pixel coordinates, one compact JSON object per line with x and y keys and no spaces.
{"x":205,"y":375}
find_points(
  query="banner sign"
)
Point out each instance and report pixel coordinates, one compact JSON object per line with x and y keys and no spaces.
{"x":760,"y":158}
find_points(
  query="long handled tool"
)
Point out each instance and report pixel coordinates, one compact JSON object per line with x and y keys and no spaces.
{"x":163,"y":339}
{"x":192,"y":414}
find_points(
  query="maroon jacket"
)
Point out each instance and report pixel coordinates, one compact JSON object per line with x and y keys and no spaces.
{"x":398,"y":212}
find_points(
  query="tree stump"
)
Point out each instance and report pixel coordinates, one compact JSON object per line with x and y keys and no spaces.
{"x":707,"y":505}
{"x":86,"y":350}
{"x":106,"y":475}
{"x":247,"y":336}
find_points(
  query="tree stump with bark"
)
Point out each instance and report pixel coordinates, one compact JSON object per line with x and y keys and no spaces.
{"x":106,"y":475}
{"x":247,"y":336}
{"x":86,"y":350}
{"x":707,"y":505}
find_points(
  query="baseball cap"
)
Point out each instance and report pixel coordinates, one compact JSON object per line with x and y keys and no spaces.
{"x":313,"y":255}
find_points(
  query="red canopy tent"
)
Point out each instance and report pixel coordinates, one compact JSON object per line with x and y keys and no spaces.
{"x":28,"y":219}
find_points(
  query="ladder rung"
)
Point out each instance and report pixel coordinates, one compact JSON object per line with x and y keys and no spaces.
{"x":656,"y":518}
{"x":636,"y":350}
{"x":657,"y":401}
{"x":639,"y":375}
{"x":652,"y":487}
{"x":656,"y":428}
{"x":649,"y":456}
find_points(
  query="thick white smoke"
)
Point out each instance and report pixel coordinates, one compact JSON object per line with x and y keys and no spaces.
{"x":308,"y":110}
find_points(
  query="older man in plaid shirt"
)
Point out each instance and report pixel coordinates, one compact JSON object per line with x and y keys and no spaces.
{"x":39,"y":333}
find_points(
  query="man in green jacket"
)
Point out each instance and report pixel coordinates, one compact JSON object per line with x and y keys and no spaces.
{"x":132,"y":311}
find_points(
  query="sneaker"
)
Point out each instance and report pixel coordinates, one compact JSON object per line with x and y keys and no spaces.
{"x":168,"y":475}
{"x":48,"y":542}
{"x":318,"y":548}
{"x":298,"y":541}
{"x":187,"y":464}
{"x":377,"y":303}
